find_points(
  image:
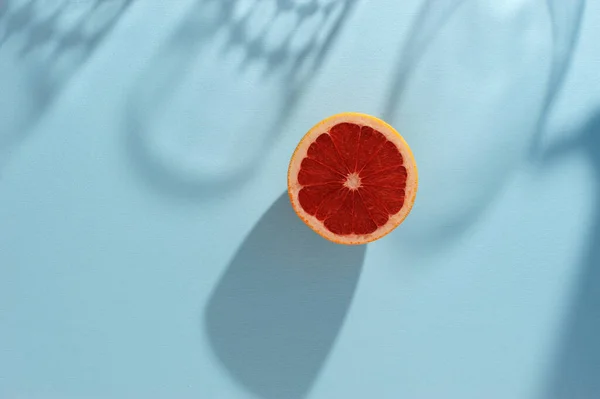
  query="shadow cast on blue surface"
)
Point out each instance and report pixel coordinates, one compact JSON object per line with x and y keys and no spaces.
{"x":432,"y":17}
{"x":42,"y":46}
{"x":576,"y":370}
{"x":282,"y":37}
{"x":276,"y":312}
{"x":565,"y":18}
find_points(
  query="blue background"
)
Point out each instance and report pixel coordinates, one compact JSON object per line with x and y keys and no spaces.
{"x":148,"y":250}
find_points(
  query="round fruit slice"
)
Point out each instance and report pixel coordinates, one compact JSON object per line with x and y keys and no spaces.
{"x":352,"y":178}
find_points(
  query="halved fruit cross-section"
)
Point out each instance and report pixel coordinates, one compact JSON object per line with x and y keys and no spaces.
{"x":352,"y":178}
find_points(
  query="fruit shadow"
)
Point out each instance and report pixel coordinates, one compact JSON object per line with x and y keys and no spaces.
{"x":276,"y":312}
{"x":38,"y":57}
{"x":293,"y":65}
{"x":575,"y":371}
{"x":565,"y":19}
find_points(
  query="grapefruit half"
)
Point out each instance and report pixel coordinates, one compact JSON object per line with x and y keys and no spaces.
{"x":352,"y":178}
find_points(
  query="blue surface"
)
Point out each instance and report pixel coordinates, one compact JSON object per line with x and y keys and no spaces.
{"x":147,"y":248}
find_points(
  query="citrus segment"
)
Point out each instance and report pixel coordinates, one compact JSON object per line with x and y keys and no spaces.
{"x":352,"y":178}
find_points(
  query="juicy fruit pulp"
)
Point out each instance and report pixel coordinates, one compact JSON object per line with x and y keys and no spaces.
{"x":353,"y":179}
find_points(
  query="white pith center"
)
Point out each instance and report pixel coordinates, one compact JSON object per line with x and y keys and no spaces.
{"x":352,"y":181}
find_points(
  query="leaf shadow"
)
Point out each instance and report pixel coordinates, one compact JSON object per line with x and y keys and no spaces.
{"x":565,"y":20}
{"x":185,"y":171}
{"x":576,"y":368}
{"x":39,"y":56}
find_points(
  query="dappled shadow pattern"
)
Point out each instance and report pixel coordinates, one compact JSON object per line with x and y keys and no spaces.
{"x":285,"y":40}
{"x":276,"y":312}
{"x":42,"y":45}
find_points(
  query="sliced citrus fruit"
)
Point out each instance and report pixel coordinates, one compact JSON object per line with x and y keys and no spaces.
{"x":352,"y":178}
